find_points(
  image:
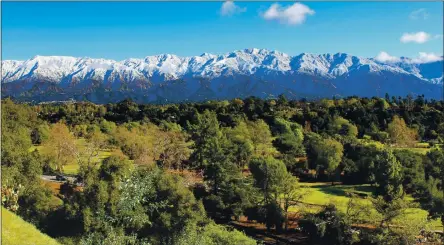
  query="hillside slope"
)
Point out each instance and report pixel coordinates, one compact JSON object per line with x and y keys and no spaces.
{"x":16,"y":231}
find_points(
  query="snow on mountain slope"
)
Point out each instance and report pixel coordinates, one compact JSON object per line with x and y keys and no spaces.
{"x":241,"y":73}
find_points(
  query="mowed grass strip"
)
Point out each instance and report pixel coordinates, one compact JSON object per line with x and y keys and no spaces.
{"x":16,"y":231}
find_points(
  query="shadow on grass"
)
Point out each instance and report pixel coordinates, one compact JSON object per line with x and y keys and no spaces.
{"x":345,"y":190}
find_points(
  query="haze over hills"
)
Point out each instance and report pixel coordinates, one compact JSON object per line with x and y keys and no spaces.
{"x":249,"y":72}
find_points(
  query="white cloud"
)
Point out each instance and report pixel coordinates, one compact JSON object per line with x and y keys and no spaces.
{"x":418,"y":37}
{"x":229,"y":8}
{"x":427,"y":57}
{"x":292,"y":15}
{"x":419,"y":14}
{"x":422,"y":58}
{"x":385,"y":57}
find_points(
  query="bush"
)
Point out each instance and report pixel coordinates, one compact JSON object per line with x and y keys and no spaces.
{"x":211,"y":234}
{"x":328,"y":227}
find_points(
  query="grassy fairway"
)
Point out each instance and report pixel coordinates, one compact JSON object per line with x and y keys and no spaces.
{"x":422,"y":151}
{"x":319,"y":194}
{"x":16,"y":231}
{"x":73,"y":167}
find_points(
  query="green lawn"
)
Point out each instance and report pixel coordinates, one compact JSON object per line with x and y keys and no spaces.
{"x":16,"y":231}
{"x":323,"y":193}
{"x":417,"y":150}
{"x":421,"y":147}
{"x":73,"y":167}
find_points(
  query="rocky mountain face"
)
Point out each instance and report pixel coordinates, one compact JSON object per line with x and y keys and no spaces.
{"x":250,"y":72}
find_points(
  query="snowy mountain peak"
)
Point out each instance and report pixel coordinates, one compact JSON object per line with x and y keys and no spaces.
{"x":252,"y":63}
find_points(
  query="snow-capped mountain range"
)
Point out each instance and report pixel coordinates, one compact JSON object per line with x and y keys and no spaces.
{"x":249,"y":72}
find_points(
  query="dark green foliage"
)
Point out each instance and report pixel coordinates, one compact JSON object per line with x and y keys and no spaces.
{"x":412,"y":169}
{"x":359,"y":164}
{"x":40,"y":133}
{"x":328,"y":227}
{"x":324,"y":155}
{"x":289,"y":142}
{"x":122,"y":205}
{"x":388,"y":176}
{"x":435,"y":170}
{"x":208,"y":139}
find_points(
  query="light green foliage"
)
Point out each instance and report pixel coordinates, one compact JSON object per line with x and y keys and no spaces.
{"x":21,"y":168}
{"x":60,"y":146}
{"x":343,"y":127}
{"x":289,"y":139}
{"x":172,"y":148}
{"x":326,"y":103}
{"x":107,"y":127}
{"x":240,"y":143}
{"x":328,"y":155}
{"x":170,"y":126}
{"x":135,"y":141}
{"x":212,"y":234}
{"x":389,"y":210}
{"x":283,"y":126}
{"x":80,"y":130}
{"x":261,"y":137}
{"x":18,"y":167}
{"x":112,"y":237}
{"x":291,"y":193}
{"x":402,"y":231}
{"x":400,"y":134}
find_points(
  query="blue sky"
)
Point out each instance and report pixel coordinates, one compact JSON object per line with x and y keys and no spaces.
{"x":118,"y":30}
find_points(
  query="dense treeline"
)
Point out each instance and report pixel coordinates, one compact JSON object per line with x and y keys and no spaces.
{"x":248,"y":158}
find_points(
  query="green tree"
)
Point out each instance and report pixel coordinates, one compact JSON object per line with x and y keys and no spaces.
{"x":261,"y":138}
{"x":173,"y":149}
{"x":435,"y":169}
{"x":270,"y":175}
{"x":60,"y":146}
{"x":207,"y":137}
{"x":328,"y":227}
{"x":240,"y":143}
{"x":388,"y":176}
{"x":40,"y":133}
{"x":412,"y":169}
{"x":328,"y":156}
{"x":180,"y":209}
{"x":212,"y":234}
{"x":343,"y":127}
{"x":400,"y":134}
{"x":291,"y":193}
{"x":289,"y":141}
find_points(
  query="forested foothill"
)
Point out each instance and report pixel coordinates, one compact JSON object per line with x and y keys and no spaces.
{"x":246,"y":171}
